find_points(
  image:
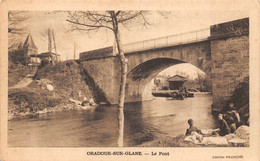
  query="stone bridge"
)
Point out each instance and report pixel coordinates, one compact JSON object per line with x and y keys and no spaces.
{"x":221,"y":51}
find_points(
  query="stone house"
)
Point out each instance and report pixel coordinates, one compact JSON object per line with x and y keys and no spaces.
{"x":176,"y":82}
{"x":24,"y":51}
{"x":48,"y":57}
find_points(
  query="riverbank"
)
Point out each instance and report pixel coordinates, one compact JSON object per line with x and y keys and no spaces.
{"x":240,"y":138}
{"x":15,"y":115}
{"x":51,"y":90}
{"x":180,"y":142}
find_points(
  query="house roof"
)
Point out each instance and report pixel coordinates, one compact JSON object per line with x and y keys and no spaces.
{"x":48,"y":54}
{"x":176,"y":78}
{"x":29,"y":43}
{"x":20,"y":46}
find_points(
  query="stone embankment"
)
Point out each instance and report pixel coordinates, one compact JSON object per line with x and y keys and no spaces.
{"x":34,"y":114}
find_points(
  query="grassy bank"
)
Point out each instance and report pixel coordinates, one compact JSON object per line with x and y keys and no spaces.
{"x":66,"y":78}
{"x":16,"y":72}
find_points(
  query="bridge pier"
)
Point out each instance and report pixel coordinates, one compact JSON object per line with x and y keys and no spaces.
{"x":134,"y":93}
{"x":229,"y":59}
{"x":105,"y":73}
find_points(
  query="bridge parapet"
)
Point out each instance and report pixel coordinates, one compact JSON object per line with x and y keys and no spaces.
{"x":172,"y":40}
{"x":161,"y":42}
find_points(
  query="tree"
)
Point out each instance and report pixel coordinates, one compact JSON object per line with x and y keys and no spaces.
{"x":111,"y":20}
{"x":16,"y":27}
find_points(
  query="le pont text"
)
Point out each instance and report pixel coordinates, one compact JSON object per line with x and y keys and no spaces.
{"x":114,"y":153}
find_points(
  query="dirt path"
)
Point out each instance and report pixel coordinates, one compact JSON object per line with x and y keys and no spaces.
{"x":25,"y":81}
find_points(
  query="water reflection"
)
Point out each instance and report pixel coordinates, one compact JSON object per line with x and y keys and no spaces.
{"x":144,"y":121}
{"x":137,"y":129}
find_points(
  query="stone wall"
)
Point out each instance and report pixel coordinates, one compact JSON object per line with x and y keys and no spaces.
{"x":105,"y":75}
{"x":230,"y":60}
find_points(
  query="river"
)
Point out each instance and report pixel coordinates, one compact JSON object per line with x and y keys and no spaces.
{"x":98,"y":127}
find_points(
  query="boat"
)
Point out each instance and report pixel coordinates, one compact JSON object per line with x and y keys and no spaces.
{"x":174,"y":94}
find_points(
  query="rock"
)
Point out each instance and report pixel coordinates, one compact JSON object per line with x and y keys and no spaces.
{"x":10,"y":116}
{"x":84,"y":103}
{"x":215,"y":141}
{"x":206,"y":131}
{"x":87,"y":107}
{"x":243,"y":132}
{"x":43,"y":111}
{"x":102,"y":103}
{"x":230,"y":136}
{"x":92,"y":102}
{"x":237,"y":141}
{"x":75,"y":101}
{"x":49,"y":87}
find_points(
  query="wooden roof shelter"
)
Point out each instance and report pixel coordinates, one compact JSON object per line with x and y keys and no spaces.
{"x":177,"y":78}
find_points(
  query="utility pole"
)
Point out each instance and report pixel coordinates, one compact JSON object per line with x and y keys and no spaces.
{"x":74,"y":50}
{"x":49,"y":44}
{"x":49,"y":40}
{"x":54,"y":43}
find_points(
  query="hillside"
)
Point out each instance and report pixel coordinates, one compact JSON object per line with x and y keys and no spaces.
{"x":66,"y":79}
{"x":50,"y":90}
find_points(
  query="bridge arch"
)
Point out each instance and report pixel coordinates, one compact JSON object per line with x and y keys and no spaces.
{"x":143,"y":73}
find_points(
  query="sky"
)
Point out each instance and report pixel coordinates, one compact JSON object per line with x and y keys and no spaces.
{"x":175,"y":22}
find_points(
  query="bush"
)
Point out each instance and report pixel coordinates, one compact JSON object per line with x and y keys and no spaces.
{"x":240,"y":98}
{"x":66,"y":79}
{"x":32,"y":99}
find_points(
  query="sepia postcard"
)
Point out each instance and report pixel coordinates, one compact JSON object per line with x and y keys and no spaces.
{"x":130,"y":80}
